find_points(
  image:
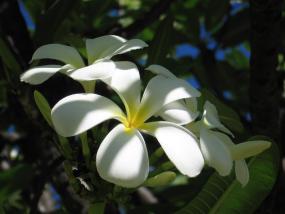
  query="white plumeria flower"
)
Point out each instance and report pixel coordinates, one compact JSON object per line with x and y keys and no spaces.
{"x":181,"y":111}
{"x":218,"y":149}
{"x":122,"y":157}
{"x":99,"y":52}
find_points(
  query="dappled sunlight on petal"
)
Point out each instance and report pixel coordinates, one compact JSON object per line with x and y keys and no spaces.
{"x":160,"y":70}
{"x":130,"y":45}
{"x":77,"y":113}
{"x":161,"y":91}
{"x":38,"y":75}
{"x":180,"y":146}
{"x":122,"y":157}
{"x":63,"y":53}
{"x":125,"y":80}
{"x":177,"y":112}
{"x":102,"y":47}
{"x":215,"y":152}
{"x":99,"y":70}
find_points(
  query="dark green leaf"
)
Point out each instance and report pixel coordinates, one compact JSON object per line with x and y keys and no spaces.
{"x":161,"y":179}
{"x":161,"y":42}
{"x":215,"y":12}
{"x":14,"y":179}
{"x":97,"y":208}
{"x":43,"y":106}
{"x":225,"y":194}
{"x":8,"y":57}
{"x":3,"y":94}
{"x":51,"y":19}
{"x":235,"y":30}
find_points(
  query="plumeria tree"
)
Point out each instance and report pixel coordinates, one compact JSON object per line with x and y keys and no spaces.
{"x":117,"y":120}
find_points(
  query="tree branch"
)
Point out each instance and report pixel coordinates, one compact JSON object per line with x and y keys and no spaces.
{"x":265,"y":96}
{"x":265,"y":40}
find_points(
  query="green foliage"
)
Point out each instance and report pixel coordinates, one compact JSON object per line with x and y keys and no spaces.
{"x":235,"y":30}
{"x":97,"y":208}
{"x":215,"y":17}
{"x":51,"y":19}
{"x":15,"y":179}
{"x":43,"y":106}
{"x":225,"y":194}
{"x":161,"y":43}
{"x":161,"y":179}
{"x":3,"y":94}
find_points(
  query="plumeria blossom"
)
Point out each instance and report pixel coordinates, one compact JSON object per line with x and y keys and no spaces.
{"x":220,"y":152}
{"x":180,"y":111}
{"x":99,"y":53}
{"x":122,"y":156}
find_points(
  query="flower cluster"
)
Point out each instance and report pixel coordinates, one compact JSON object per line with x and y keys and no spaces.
{"x":189,"y":140}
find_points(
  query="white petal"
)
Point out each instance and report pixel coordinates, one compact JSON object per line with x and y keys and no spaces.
{"x":160,"y":70}
{"x":122,"y":157}
{"x":249,"y":148}
{"x":63,"y":53}
{"x":161,"y":91}
{"x":242,"y":173}
{"x":130,"y":45}
{"x":225,"y":139}
{"x":39,"y":74}
{"x":103,"y":46}
{"x":211,"y":118}
{"x":77,"y":113}
{"x":177,"y":112}
{"x":216,"y":153}
{"x":125,"y":80}
{"x":180,"y":146}
{"x":98,"y":70}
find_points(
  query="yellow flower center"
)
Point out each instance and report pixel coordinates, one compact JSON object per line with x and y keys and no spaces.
{"x":133,"y":122}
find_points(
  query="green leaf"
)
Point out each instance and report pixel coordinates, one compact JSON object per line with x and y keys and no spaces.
{"x":3,"y":94}
{"x":66,"y":149}
{"x":45,"y":110}
{"x":225,"y":194}
{"x":97,"y":208}
{"x":1,"y":210}
{"x":161,"y":42}
{"x":156,"y":155}
{"x":161,"y":179}
{"x":235,"y":30}
{"x":214,"y":17}
{"x":85,"y":148}
{"x":43,"y":106}
{"x":237,"y":59}
{"x":226,"y":114}
{"x":8,"y":57}
{"x":14,"y":179}
{"x":51,"y":19}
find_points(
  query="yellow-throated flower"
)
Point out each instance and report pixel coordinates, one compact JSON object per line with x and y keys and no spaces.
{"x":122,"y":157}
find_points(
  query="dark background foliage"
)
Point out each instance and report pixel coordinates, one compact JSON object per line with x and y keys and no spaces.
{"x":235,"y":49}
